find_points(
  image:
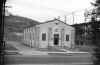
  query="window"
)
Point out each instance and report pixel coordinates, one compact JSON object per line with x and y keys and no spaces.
{"x":67,"y":37}
{"x":33,"y":36}
{"x":43,"y":36}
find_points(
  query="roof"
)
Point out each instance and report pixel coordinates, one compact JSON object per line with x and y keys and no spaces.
{"x":53,"y":21}
{"x":86,"y":23}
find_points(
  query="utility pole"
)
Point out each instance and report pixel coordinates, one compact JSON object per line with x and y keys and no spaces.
{"x":58,"y":18}
{"x":73,"y":17}
{"x":85,"y":26}
{"x":85,"y":15}
{"x":65,"y":19}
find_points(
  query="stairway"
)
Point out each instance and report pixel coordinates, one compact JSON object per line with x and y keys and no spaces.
{"x":56,"y":48}
{"x":66,"y":49}
{"x":50,"y":49}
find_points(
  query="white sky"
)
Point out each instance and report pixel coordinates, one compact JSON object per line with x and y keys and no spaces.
{"x":42,"y":10}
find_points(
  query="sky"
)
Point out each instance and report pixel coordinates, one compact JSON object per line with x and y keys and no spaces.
{"x":43,"y":10}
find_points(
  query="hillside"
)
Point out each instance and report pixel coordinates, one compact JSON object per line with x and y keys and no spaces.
{"x":16,"y":24}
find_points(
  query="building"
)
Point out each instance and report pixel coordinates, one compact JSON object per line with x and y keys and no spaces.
{"x":51,"y":33}
{"x":84,"y":35}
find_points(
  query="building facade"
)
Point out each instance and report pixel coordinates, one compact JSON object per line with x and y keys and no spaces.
{"x":84,"y":33}
{"x":50,"y":33}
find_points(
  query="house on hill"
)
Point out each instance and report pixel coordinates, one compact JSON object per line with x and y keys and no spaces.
{"x":51,"y":33}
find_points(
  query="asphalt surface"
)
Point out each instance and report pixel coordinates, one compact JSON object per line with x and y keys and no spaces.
{"x":83,"y":59}
{"x":51,"y":59}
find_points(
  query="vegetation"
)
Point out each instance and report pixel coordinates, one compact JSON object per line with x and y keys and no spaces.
{"x":16,"y":24}
{"x":96,"y":31}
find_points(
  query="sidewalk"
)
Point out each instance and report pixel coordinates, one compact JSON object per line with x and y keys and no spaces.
{"x":24,"y":50}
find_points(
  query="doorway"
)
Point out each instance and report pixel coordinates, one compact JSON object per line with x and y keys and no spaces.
{"x":56,"y":39}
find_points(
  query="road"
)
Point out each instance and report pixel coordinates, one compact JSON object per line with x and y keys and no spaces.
{"x":48,"y":60}
{"x":51,"y":59}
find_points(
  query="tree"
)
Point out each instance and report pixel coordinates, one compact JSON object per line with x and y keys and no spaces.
{"x":96,"y":31}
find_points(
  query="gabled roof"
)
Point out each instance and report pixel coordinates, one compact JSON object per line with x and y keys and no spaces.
{"x":53,"y":21}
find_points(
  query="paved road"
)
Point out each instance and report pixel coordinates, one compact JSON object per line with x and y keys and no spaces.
{"x":56,"y":64}
{"x":53,"y":59}
{"x":47,"y":60}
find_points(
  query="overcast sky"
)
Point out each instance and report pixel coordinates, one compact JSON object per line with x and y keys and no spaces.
{"x":42,"y":10}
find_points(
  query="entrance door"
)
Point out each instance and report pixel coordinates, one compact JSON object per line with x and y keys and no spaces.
{"x":56,"y":39}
